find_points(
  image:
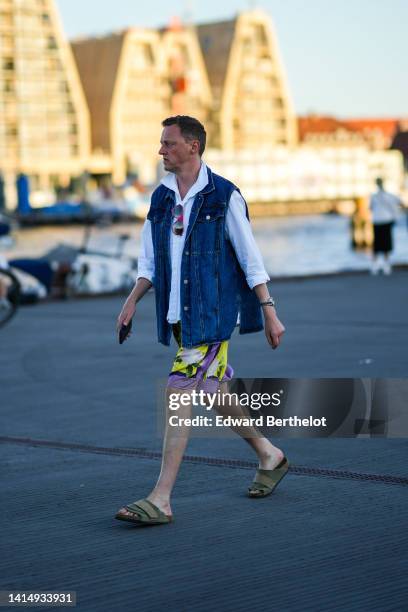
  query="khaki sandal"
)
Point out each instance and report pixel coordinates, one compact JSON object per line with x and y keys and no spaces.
{"x":266,"y":481}
{"x":145,"y":513}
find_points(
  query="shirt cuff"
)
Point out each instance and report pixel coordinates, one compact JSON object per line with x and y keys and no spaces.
{"x":145,"y":274}
{"x":257,"y":279}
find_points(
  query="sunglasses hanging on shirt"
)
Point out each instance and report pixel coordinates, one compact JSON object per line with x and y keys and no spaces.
{"x":177,"y":224}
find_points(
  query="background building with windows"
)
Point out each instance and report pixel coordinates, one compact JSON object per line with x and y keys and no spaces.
{"x":94,"y":109}
{"x":252,"y":106}
{"x":376,"y":134}
{"x":132,"y":80}
{"x":125,"y":89}
{"x":96,"y":106}
{"x":44,"y":120}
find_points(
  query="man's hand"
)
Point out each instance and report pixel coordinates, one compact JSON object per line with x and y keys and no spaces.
{"x":141,"y":287}
{"x":274,"y":329}
{"x":127,"y":313}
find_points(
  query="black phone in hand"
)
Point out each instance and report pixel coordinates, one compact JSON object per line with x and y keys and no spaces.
{"x":124,"y":331}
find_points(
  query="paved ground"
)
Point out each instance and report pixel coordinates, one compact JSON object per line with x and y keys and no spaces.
{"x":79,"y":440}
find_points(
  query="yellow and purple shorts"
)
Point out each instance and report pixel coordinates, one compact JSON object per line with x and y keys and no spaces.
{"x":201,"y":367}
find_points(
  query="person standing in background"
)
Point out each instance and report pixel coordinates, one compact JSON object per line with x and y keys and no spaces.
{"x":384,"y":208}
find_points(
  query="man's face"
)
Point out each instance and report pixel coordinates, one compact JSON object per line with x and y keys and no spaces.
{"x":176,"y":151}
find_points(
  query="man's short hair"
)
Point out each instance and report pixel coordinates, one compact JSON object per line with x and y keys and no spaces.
{"x":190,"y":128}
{"x":379,"y":182}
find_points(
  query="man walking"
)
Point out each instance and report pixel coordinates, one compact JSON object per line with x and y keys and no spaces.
{"x":199,"y":253}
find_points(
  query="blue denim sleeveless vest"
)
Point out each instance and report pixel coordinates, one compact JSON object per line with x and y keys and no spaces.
{"x":213,"y":286}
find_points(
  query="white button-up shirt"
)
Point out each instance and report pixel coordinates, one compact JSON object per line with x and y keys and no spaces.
{"x":385,"y":207}
{"x":238,"y":231}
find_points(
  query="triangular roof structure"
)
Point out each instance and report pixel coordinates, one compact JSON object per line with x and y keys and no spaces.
{"x":185,"y":68}
{"x":216,"y":40}
{"x":251,"y":96}
{"x":98,"y":63}
{"x":132,"y":80}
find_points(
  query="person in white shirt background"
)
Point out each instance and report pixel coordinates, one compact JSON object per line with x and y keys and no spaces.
{"x":385,"y":208}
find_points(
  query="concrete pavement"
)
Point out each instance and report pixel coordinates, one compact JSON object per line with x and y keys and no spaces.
{"x":79,"y":440}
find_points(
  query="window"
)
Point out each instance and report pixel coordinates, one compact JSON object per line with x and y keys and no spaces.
{"x":8,"y":63}
{"x":148,"y":53}
{"x":6,"y":19}
{"x":259,"y":34}
{"x":12,"y":130}
{"x":52,"y":43}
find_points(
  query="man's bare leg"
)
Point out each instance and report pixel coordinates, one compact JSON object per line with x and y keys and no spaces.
{"x":269,"y":455}
{"x":174,"y":444}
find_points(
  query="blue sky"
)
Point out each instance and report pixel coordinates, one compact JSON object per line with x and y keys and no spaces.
{"x":342,"y":57}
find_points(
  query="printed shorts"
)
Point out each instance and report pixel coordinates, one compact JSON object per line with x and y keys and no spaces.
{"x":201,"y":367}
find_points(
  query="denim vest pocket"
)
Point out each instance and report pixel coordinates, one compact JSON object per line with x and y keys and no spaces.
{"x":208,"y":229}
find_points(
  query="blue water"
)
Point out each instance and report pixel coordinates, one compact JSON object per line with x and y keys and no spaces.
{"x":317,"y":244}
{"x":290,"y":246}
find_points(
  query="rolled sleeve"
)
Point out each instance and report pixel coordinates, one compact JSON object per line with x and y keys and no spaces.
{"x":145,"y":261}
{"x":239,"y":232}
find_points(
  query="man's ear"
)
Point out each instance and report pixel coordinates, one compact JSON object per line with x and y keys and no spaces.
{"x":195,"y":146}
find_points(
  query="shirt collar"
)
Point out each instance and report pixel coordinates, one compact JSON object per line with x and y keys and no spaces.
{"x":202,"y":180}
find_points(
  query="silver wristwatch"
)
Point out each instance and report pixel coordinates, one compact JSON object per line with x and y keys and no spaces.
{"x":269,"y":302}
